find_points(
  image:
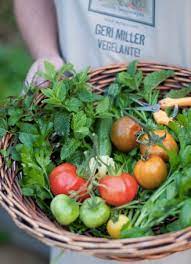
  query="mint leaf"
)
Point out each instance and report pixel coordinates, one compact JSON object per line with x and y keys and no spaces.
{"x":33,"y":174}
{"x":68,"y":67}
{"x":60,"y":90}
{"x":132,"y":67}
{"x":15,"y":115}
{"x":3,"y":128}
{"x":178,"y":93}
{"x":113,"y":90}
{"x":69,"y":148}
{"x":29,"y":128}
{"x":47,"y":92}
{"x":27,"y":139}
{"x":50,"y":70}
{"x":81,"y":124}
{"x":153,"y":80}
{"x":185,"y":155}
{"x":73,"y":104}
{"x":88,"y":97}
{"x":103,"y":106}
{"x":62,"y":124}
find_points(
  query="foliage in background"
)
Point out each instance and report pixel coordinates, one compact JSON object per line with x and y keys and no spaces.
{"x":14,"y":63}
{"x":14,"y":59}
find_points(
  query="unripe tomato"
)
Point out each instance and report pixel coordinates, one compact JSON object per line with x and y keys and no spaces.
{"x":150,"y":173}
{"x":64,"y":209}
{"x":168,"y":142}
{"x":123,"y":134}
{"x":64,"y":179}
{"x":118,"y":190}
{"x":114,"y":228}
{"x":94,"y":212}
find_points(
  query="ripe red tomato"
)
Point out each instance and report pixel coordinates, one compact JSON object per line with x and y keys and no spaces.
{"x":64,"y":179}
{"x":118,"y":190}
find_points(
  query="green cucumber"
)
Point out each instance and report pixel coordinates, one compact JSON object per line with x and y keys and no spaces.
{"x":103,"y":132}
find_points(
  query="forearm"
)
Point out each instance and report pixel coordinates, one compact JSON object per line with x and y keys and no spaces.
{"x":37,"y":23}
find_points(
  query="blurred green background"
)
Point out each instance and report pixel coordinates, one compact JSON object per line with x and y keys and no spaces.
{"x":15,"y":245}
{"x":14,"y":57}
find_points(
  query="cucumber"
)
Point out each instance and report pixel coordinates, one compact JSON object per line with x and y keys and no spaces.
{"x":103,"y":132}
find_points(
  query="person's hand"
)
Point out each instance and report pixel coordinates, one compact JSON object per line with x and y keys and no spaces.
{"x":38,"y":65}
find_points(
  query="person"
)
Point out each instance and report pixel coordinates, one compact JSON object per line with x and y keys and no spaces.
{"x":100,"y":32}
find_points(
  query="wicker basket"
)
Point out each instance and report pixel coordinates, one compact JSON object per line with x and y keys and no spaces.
{"x":30,"y":218}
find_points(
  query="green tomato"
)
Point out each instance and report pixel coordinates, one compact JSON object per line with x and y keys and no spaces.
{"x":64,"y":209}
{"x":185,"y":214}
{"x":94,"y":212}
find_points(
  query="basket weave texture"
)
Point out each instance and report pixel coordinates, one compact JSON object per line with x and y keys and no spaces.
{"x":30,"y":218}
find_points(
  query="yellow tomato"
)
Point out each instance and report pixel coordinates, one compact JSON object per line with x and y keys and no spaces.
{"x":114,"y":228}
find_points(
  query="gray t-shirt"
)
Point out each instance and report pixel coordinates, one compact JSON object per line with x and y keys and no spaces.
{"x":100,"y":32}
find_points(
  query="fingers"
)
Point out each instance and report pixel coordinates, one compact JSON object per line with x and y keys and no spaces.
{"x":32,"y":76}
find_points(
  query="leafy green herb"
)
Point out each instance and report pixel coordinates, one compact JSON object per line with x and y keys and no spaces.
{"x":152,"y":81}
{"x":178,"y":93}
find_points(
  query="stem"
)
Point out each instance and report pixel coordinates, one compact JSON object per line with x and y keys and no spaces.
{"x":145,"y":213}
{"x":126,"y":206}
{"x":142,"y":115}
{"x":136,"y":215}
{"x":174,"y":211}
{"x":130,"y":215}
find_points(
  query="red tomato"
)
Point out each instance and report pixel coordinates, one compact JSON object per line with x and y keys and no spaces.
{"x":118,"y":190}
{"x":64,"y":179}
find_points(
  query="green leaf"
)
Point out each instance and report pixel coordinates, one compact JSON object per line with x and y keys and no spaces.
{"x":15,"y":115}
{"x":153,"y":80}
{"x":15,"y":155}
{"x":27,"y":139}
{"x":69,"y":148}
{"x":138,"y":79}
{"x":185,"y":214}
{"x":50,"y":70}
{"x":171,"y":191}
{"x":103,"y":106}
{"x":3,"y":128}
{"x":134,"y":232}
{"x":33,"y":174}
{"x":27,"y":191}
{"x":73,"y":104}
{"x":60,"y":90}
{"x":174,"y":226}
{"x":81,"y":124}
{"x":185,"y":155}
{"x":47,"y":92}
{"x":68,"y":67}
{"x":178,"y":93}
{"x":88,"y":97}
{"x":53,"y":101}
{"x":62,"y":124}
{"x":4,"y":153}
{"x":82,"y":77}
{"x":184,"y":182}
{"x":29,"y":128}
{"x":45,"y":127}
{"x":126,"y":80}
{"x":132,"y":67}
{"x":113,"y":90}
{"x":174,"y":159}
